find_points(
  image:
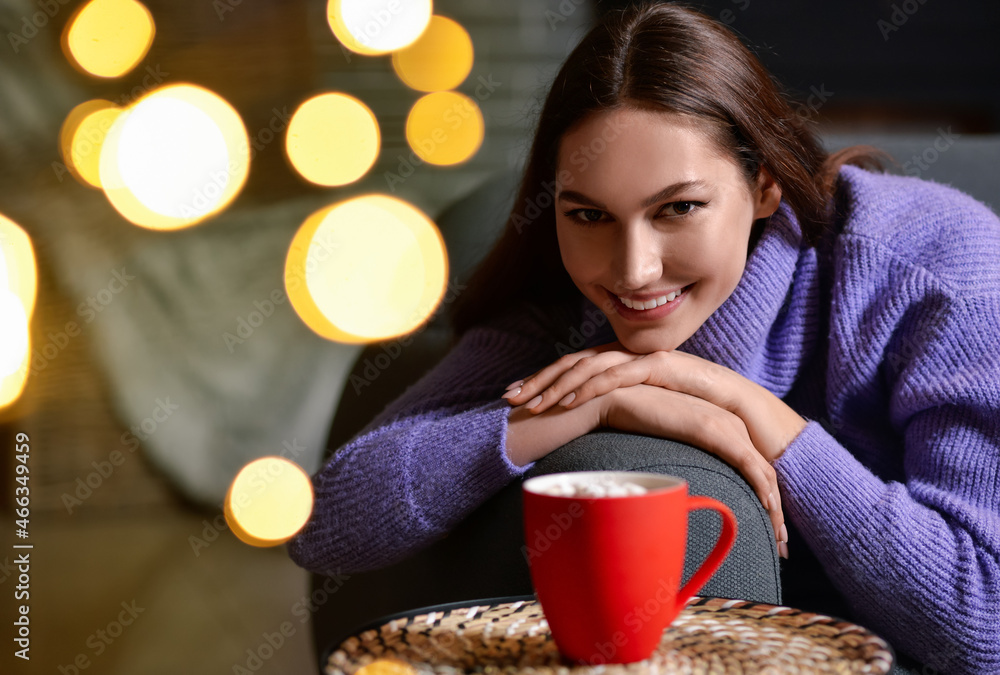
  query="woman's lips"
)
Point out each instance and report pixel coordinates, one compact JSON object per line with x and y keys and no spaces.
{"x":648,"y":314}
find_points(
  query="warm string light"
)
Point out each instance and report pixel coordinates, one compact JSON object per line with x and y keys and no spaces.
{"x":270,"y":500}
{"x":108,"y":38}
{"x":365,"y":269}
{"x":82,"y":137}
{"x":374,"y":27}
{"x":174,"y":158}
{"x":332,"y":139}
{"x":18,"y":289}
{"x":360,"y":270}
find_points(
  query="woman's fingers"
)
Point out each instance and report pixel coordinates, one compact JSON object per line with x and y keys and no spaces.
{"x":655,"y":411}
{"x":551,"y":384}
{"x":626,"y":374}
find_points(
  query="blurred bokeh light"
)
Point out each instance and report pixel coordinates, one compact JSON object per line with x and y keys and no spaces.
{"x":270,"y":500}
{"x":107,"y":38}
{"x":445,"y":128}
{"x":18,"y":288}
{"x":333,"y":139}
{"x":374,"y":27}
{"x":369,"y":268}
{"x":82,"y":137}
{"x":174,"y":158}
{"x":440,"y":59}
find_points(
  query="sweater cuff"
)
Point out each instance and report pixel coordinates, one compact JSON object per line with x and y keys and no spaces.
{"x":825,"y":489}
{"x":513,"y":470}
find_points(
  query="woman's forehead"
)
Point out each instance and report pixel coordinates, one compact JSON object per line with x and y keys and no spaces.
{"x":623,"y":145}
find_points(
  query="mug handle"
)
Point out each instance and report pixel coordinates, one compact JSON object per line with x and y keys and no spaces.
{"x":718,"y":554}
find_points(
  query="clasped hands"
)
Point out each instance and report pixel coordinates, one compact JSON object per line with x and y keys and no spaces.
{"x":678,"y":396}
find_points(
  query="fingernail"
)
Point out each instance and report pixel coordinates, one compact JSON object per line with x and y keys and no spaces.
{"x":567,"y":399}
{"x":512,"y":393}
{"x":783,"y":549}
{"x":517,"y":384}
{"x":782,"y":533}
{"x":533,"y":402}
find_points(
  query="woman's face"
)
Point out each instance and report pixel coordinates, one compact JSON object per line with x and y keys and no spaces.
{"x":649,"y":207}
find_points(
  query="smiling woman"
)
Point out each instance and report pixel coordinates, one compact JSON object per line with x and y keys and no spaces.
{"x":826,"y":330}
{"x":634,"y":244}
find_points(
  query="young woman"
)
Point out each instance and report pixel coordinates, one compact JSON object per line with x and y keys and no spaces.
{"x":828,"y":331}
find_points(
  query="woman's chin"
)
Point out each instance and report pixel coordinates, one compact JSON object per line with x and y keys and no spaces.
{"x":646,"y":342}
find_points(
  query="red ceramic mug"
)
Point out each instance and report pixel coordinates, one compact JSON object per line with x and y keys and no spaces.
{"x":607,"y":570}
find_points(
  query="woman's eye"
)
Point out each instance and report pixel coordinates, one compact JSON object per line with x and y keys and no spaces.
{"x":586,"y":215}
{"x":679,"y":208}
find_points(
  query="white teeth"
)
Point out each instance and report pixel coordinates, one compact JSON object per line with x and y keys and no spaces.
{"x":650,"y":304}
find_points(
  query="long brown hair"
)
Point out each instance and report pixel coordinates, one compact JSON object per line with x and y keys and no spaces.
{"x":664,"y":57}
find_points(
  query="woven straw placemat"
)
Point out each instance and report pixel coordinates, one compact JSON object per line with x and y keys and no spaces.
{"x":711,"y":635}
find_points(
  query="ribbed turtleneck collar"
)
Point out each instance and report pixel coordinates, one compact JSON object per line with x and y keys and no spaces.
{"x":767,"y":329}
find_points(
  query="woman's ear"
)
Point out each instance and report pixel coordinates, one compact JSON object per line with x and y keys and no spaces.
{"x":767,"y":196}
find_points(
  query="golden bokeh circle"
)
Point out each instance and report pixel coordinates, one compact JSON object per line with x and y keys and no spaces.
{"x":175,"y":157}
{"x":333,"y":139}
{"x":441,"y":59}
{"x":374,"y":27}
{"x":18,"y":291}
{"x":82,"y":137}
{"x":269,"y":501}
{"x":108,"y":38}
{"x":369,"y":268}
{"x":445,"y":128}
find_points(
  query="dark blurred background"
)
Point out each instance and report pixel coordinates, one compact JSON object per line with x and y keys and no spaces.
{"x":150,"y":532}
{"x":885,"y":65}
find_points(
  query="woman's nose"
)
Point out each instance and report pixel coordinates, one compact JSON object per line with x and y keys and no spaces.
{"x":639,"y":260}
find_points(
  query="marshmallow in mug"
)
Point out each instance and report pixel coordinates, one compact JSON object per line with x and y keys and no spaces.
{"x":594,"y":488}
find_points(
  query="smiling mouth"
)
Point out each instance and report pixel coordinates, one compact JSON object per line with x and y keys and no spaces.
{"x":653,"y":308}
{"x":653,"y":303}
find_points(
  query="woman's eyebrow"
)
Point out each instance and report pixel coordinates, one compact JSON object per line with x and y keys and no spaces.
{"x":665,"y":193}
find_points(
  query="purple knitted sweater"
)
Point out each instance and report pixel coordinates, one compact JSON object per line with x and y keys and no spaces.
{"x":885,"y":336}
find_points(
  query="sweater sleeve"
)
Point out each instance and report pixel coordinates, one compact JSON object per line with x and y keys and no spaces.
{"x":425,"y":463}
{"x":918,"y":559}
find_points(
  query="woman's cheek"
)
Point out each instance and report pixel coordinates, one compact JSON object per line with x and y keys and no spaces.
{"x":583,"y":258}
